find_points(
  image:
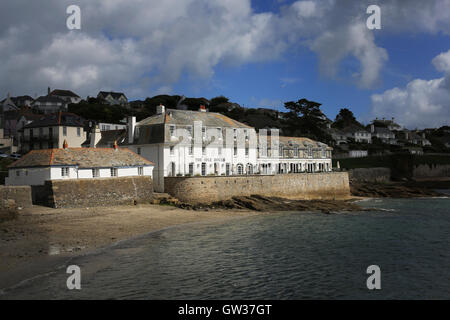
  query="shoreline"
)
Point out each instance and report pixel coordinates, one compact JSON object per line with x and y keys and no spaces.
{"x":43,"y":237}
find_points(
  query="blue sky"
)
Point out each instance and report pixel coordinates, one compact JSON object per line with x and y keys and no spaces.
{"x":258,"y":53}
{"x":295,"y":75}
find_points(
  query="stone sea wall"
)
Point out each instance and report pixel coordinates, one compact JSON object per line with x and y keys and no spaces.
{"x":431,"y":171}
{"x":21,"y":195}
{"x":370,"y":174}
{"x":332,"y":185}
{"x":97,"y":192}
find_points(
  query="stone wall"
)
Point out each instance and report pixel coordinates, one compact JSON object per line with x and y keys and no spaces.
{"x":431,"y":171}
{"x":99,"y":192}
{"x":21,"y":195}
{"x":331,"y":185}
{"x":370,"y":174}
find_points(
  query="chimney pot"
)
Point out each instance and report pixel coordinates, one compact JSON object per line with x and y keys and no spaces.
{"x":160,"y":109}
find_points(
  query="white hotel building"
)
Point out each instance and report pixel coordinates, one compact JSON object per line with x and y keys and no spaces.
{"x":201,"y":143}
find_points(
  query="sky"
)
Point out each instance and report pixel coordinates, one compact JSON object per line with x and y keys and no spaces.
{"x":258,"y":53}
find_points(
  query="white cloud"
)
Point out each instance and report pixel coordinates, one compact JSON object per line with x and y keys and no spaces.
{"x":422,"y":103}
{"x":147,"y":45}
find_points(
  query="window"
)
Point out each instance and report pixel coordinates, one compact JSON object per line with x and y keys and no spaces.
{"x":191,"y":150}
{"x":95,"y":173}
{"x":65,"y":172}
{"x":172,"y":151}
{"x":189,"y":129}
{"x":172,"y":130}
{"x":240,"y":169}
{"x":191,"y":169}
{"x":50,"y":132}
{"x":203,"y":169}
{"x":41,"y":132}
{"x":64,"y":131}
{"x":78,"y":132}
{"x":296,"y":152}
{"x":18,"y":173}
{"x":138,"y":151}
{"x":113,"y":172}
{"x":246,"y":151}
{"x":203,"y":150}
{"x":235,"y":151}
{"x":140,"y":171}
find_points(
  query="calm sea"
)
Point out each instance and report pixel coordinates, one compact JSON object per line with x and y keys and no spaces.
{"x":273,"y":256}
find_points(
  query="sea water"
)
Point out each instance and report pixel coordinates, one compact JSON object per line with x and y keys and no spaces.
{"x":285,"y":255}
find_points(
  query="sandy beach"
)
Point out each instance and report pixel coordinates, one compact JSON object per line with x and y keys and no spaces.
{"x":41,"y":235}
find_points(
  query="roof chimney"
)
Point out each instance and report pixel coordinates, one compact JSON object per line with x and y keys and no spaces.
{"x":160,"y":109}
{"x":9,"y":95}
{"x":65,"y":144}
{"x":202,"y":108}
{"x":96,"y":135}
{"x":131,"y":127}
{"x":48,"y":91}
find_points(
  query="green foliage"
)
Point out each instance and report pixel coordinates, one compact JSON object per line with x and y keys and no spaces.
{"x":345,"y":118}
{"x":306,"y":119}
{"x":99,"y":112}
{"x":218,"y":100}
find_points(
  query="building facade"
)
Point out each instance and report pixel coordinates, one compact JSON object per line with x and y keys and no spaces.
{"x":201,"y":143}
{"x":38,"y":166}
{"x":51,"y":130}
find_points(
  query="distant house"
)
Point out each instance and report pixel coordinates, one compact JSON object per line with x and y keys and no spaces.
{"x":8,"y":104}
{"x":113,"y":98}
{"x":415,"y":138}
{"x":15,"y":103}
{"x":383,"y":133}
{"x":50,"y":131}
{"x":39,"y":166}
{"x":111,"y":126}
{"x":358,"y":134}
{"x":389,"y":124}
{"x":49,"y":104}
{"x":65,"y":95}
{"x":339,"y":137}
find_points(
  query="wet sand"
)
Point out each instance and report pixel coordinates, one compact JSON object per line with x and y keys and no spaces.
{"x":42,"y":236}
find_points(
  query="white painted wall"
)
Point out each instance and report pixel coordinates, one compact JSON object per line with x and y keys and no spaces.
{"x":38,"y":176}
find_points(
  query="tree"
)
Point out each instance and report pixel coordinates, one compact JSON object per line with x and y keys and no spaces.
{"x":306,"y":119}
{"x":345,"y":118}
{"x":218,"y":100}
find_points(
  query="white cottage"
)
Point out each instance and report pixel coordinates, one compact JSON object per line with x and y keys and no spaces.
{"x":38,"y":166}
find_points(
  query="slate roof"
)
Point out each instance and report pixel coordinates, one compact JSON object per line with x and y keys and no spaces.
{"x":109,"y":136}
{"x":299,"y":141}
{"x":66,"y":119}
{"x":187,"y":117}
{"x":81,"y":157}
{"x":115,"y":95}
